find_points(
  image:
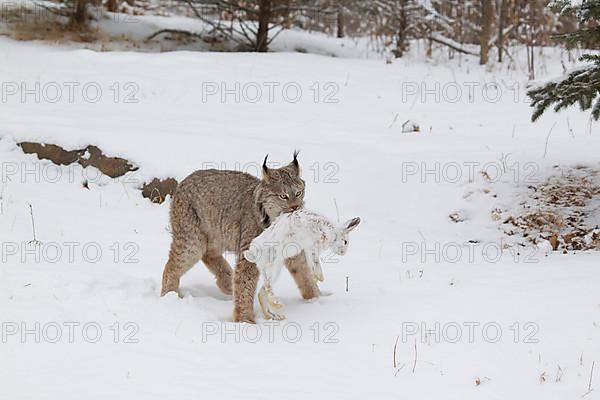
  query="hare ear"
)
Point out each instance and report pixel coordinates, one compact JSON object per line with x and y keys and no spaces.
{"x":351,"y":224}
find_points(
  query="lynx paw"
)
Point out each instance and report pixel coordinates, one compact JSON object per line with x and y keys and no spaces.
{"x":168,"y":289}
{"x":171,"y":297}
{"x":243,"y":317}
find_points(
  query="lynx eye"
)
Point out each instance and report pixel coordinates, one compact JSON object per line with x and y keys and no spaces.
{"x":284,"y":196}
{"x":345,"y":242}
{"x":299,"y":193}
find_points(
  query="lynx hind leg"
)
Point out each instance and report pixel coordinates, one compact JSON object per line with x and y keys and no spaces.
{"x":187,"y":246}
{"x":303,"y":275}
{"x":223,"y":272}
{"x":182,"y":257}
{"x":270,"y":305}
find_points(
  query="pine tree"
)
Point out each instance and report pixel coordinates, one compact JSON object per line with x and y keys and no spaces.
{"x":393,"y":20}
{"x":250,"y":23}
{"x":399,"y":21}
{"x":582,"y":85}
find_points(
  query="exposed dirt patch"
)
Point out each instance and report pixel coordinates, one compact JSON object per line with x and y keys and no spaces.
{"x":89,"y":156}
{"x":564,"y":210}
{"x":156,"y":190}
{"x":111,"y":166}
{"x":51,"y":32}
{"x":51,"y":152}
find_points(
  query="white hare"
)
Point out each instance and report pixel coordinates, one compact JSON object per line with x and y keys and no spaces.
{"x":288,"y":236}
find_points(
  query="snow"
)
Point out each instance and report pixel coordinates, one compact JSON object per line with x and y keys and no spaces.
{"x":390,"y":283}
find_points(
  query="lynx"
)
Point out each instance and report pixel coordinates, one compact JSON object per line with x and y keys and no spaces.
{"x":217,"y":211}
{"x":288,"y":236}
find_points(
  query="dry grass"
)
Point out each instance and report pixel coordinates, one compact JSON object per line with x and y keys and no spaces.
{"x":565,"y":212}
{"x":53,"y":31}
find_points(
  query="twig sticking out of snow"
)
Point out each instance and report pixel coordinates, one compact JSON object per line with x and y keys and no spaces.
{"x":34,"y":241}
{"x":415,"y":363}
{"x":591,"y":376}
{"x":395,"y":346}
{"x":548,"y":139}
{"x":590,"y":382}
{"x":394,"y":121}
{"x":559,"y":374}
{"x":337,"y":210}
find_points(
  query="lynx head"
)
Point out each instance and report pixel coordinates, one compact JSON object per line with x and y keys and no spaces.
{"x":280,"y":190}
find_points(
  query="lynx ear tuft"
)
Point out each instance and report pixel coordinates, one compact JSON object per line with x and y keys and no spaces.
{"x":353,"y":223}
{"x":265,"y":169}
{"x":295,"y":166}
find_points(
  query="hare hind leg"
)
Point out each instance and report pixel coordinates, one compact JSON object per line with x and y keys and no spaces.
{"x":268,"y":301}
{"x":270,"y":305}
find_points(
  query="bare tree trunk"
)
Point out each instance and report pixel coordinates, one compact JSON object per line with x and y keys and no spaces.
{"x":501,"y":25}
{"x":340,"y":22}
{"x":429,"y":53}
{"x":112,"y":5}
{"x":487,"y":17}
{"x":531,"y":60}
{"x":79,"y":17}
{"x":402,"y":39}
{"x":264,"y":18}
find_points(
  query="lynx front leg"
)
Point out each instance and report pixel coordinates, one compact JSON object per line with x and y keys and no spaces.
{"x":245,"y":280}
{"x":187,"y":247}
{"x":303,"y":275}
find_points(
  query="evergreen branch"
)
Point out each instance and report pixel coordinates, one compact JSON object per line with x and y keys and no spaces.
{"x":592,"y":34}
{"x":581,"y":86}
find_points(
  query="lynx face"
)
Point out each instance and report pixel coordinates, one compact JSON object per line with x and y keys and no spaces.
{"x":282,"y":189}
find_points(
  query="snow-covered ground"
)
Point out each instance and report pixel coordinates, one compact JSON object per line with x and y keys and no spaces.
{"x":515,"y":326}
